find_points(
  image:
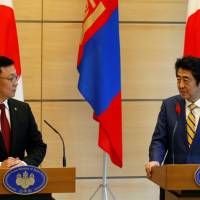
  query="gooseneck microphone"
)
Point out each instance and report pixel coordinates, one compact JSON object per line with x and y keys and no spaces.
{"x":64,"y":157}
{"x":178,"y":111}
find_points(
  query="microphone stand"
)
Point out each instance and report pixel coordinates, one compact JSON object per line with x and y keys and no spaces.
{"x":64,"y":156}
{"x":175,"y":127}
{"x":178,"y":111}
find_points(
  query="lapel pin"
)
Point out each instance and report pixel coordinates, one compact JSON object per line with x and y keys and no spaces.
{"x":15,"y":108}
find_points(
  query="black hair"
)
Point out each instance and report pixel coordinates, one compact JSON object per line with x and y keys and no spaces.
{"x":5,"y":62}
{"x":191,"y":64}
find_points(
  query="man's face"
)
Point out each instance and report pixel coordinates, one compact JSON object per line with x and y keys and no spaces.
{"x":187,"y":85}
{"x":8,"y":82}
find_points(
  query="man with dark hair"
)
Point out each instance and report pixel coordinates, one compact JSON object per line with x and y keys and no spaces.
{"x":18,"y":129}
{"x":191,"y":64}
{"x":177,"y":133}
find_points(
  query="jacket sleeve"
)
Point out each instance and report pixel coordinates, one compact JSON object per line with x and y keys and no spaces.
{"x":159,"y":143}
{"x":35,"y":147}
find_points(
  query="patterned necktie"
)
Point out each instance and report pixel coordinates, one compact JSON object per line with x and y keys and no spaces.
{"x":5,"y":128}
{"x":191,"y":124}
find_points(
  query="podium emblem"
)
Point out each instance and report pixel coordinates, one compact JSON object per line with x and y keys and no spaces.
{"x":25,"y":180}
{"x":197,"y":176}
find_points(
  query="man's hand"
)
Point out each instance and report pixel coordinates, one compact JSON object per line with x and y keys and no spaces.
{"x":149,"y":166}
{"x":11,"y":162}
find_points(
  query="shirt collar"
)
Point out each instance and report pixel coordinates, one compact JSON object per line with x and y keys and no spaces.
{"x":197,"y":103}
{"x":6,"y":103}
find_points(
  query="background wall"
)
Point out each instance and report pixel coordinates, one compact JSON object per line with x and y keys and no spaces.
{"x":152,"y":35}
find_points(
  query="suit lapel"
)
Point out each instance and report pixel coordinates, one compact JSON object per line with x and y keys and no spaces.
{"x":13,"y":121}
{"x":182,"y":127}
{"x":13,"y":127}
{"x":2,"y":146}
{"x":196,"y":138}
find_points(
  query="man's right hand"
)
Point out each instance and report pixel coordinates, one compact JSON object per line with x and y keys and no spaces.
{"x":10,"y":162}
{"x":149,"y":166}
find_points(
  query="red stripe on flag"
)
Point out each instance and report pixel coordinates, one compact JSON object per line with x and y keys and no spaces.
{"x":110,"y":130}
{"x":192,"y":35}
{"x":8,"y":36}
{"x":110,"y":6}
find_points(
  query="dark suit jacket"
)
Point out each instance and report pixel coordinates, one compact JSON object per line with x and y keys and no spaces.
{"x":25,"y":136}
{"x":177,"y":145}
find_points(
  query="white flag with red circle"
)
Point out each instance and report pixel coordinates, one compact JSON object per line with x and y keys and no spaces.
{"x":9,"y":41}
{"x":192,"y":30}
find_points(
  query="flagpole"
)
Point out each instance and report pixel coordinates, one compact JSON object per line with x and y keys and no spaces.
{"x":105,"y":174}
{"x":104,"y":185}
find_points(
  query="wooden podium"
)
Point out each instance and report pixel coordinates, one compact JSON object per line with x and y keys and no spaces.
{"x":60,"y":180}
{"x":178,"y":181}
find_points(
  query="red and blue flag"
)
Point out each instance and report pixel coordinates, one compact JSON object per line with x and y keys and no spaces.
{"x":99,"y":69}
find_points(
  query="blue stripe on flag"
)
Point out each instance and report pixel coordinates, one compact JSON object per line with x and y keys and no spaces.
{"x":99,"y":69}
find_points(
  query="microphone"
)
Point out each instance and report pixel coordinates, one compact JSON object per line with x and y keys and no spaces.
{"x":178,"y":111}
{"x":64,"y":157}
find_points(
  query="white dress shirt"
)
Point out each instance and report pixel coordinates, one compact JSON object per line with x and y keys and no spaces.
{"x":196,"y":111}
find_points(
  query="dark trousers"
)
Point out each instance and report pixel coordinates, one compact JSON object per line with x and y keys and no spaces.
{"x":27,"y":197}
{"x":162,"y":194}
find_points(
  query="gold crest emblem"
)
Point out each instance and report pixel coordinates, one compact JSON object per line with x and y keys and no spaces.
{"x":91,"y":17}
{"x":25,"y":180}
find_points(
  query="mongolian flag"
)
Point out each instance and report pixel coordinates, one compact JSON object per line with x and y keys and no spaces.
{"x":9,"y":41}
{"x":192,"y":31}
{"x":99,"y":69}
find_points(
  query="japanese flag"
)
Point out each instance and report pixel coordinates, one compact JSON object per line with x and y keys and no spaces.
{"x":8,"y":40}
{"x":192,"y":30}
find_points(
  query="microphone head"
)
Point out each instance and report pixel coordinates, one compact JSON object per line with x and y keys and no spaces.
{"x":178,"y":108}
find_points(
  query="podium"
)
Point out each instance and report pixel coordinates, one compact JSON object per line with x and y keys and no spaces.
{"x":60,"y":180}
{"x":177,"y":180}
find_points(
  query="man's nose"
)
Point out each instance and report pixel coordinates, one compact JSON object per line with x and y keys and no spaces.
{"x":181,"y":83}
{"x":15,"y":84}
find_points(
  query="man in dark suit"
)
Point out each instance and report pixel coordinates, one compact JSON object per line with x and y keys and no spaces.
{"x":177,"y":133}
{"x":22,"y":135}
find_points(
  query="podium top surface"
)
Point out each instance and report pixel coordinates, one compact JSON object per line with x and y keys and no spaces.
{"x":60,"y":180}
{"x":176,"y":176}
